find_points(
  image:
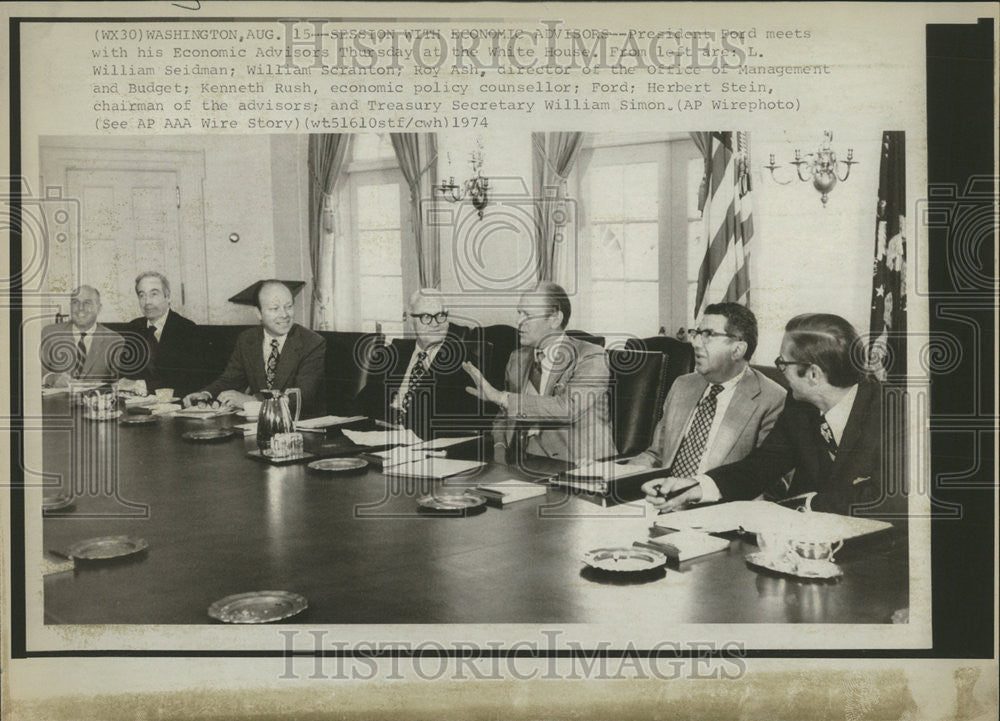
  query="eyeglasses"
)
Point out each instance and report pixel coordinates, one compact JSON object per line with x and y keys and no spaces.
{"x":85,"y":304}
{"x":707,"y":333}
{"x":780,"y":363}
{"x":428,"y":318}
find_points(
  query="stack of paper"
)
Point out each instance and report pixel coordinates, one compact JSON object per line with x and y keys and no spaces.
{"x":433,"y":467}
{"x":394,"y":437}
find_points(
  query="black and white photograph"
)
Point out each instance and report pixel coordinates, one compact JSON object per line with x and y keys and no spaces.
{"x":467,"y":357}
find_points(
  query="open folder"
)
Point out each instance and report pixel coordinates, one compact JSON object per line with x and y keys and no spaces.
{"x":764,"y":516}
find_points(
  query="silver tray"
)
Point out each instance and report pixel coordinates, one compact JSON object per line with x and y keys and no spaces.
{"x":624,"y":559}
{"x":137,"y":419}
{"x":455,"y":502}
{"x":212,"y":434}
{"x":257,"y":607}
{"x":339,"y":465}
{"x":804,"y":568}
{"x":56,"y":502}
{"x":98,"y":549}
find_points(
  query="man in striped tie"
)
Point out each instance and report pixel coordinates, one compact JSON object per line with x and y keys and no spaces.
{"x":279,"y":354}
{"x":831,"y":433}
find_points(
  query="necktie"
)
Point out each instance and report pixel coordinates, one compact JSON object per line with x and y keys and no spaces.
{"x":272,"y":363}
{"x":536,"y":371}
{"x":693,"y":446}
{"x":418,"y":372}
{"x":831,"y":443}
{"x":151,"y":328}
{"x":81,"y":356}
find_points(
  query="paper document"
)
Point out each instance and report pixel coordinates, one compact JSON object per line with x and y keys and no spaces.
{"x":443,"y":443}
{"x":607,"y":470}
{"x":394,"y":437}
{"x":405,"y":454}
{"x":328,"y":421}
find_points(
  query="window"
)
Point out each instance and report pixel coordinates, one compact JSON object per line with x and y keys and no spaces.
{"x":695,"y":229}
{"x":373,"y":201}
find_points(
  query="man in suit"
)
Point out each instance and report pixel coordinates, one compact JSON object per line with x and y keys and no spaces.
{"x":723,"y":410}
{"x":82,"y":349}
{"x":831,"y":434}
{"x":169,"y":342}
{"x":555,"y":398}
{"x":425,"y":389}
{"x":279,"y":354}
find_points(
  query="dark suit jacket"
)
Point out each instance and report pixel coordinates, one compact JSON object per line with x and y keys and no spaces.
{"x":172,"y":362}
{"x":300,"y":365}
{"x":855,"y":478}
{"x":57,"y":352}
{"x":440,"y":406}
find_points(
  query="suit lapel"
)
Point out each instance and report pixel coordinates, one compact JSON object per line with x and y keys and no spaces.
{"x":855,"y":422}
{"x":567,"y":357}
{"x":96,"y":351}
{"x":688,"y":396}
{"x":738,"y":414}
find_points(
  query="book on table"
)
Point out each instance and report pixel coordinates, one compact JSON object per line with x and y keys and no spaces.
{"x":511,"y":490}
{"x":685,"y":545}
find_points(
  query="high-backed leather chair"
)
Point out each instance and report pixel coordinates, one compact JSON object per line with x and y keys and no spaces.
{"x":503,"y":340}
{"x":774,"y":374}
{"x":679,"y":355}
{"x":351,"y":359}
{"x":585,"y":336}
{"x":638,"y":389}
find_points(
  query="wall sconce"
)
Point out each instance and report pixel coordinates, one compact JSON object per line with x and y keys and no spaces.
{"x":821,"y":167}
{"x":475,"y":188}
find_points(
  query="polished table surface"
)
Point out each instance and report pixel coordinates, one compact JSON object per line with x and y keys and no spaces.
{"x":358,"y":548}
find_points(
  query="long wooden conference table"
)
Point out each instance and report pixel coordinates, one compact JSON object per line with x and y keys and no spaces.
{"x":361,"y":551}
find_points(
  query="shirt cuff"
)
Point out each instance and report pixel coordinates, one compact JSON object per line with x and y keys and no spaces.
{"x":709,"y":491}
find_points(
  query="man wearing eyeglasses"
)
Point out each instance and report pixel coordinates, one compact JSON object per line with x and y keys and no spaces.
{"x":81,"y":349}
{"x":555,"y":398}
{"x":425,"y":389}
{"x":723,"y":410}
{"x":830,"y":432}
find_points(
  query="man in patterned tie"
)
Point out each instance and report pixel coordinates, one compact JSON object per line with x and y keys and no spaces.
{"x":425,"y":388}
{"x":82,"y":349}
{"x":723,"y":410}
{"x":831,"y":433}
{"x":278,"y":355}
{"x":168,"y":341}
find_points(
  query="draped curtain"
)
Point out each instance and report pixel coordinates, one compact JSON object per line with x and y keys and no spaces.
{"x":327,"y":156}
{"x":417,"y":155}
{"x":553,"y":156}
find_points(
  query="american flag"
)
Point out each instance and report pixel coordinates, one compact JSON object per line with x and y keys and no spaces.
{"x":887,"y":348}
{"x":727,"y":212}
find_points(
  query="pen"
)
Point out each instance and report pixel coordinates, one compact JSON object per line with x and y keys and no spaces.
{"x":678,"y":492}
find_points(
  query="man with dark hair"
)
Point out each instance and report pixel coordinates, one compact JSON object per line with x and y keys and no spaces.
{"x":831,"y":434}
{"x":723,"y":410}
{"x":425,"y":389}
{"x":277,"y":355}
{"x":555,"y":398}
{"x":81,"y":349}
{"x":171,"y":342}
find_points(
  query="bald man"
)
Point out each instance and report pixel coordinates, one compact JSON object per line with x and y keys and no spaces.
{"x":81,"y":349}
{"x":279,"y":354}
{"x":425,"y":389}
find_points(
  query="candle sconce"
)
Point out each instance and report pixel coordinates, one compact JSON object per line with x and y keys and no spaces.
{"x":476,"y":188}
{"x":822,"y":167}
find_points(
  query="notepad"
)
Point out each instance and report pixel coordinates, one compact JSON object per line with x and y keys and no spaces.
{"x":511,"y":490}
{"x":685,"y":545}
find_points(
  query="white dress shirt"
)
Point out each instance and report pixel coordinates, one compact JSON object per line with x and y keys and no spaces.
{"x":837,"y":416}
{"x":157,"y":325}
{"x":88,"y":339}
{"x":267,"y":345}
{"x":722,"y":402}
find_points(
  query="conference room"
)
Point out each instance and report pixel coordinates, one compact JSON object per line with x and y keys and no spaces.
{"x":350,"y":431}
